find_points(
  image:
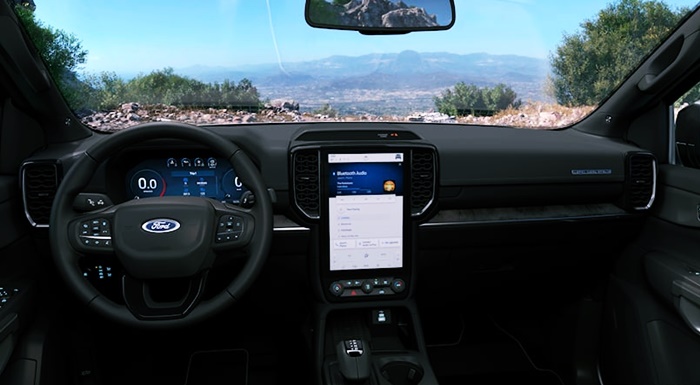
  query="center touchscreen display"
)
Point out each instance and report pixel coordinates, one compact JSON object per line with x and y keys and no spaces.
{"x":365,"y":210}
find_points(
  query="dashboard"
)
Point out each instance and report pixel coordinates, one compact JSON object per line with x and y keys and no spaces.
{"x":368,"y":200}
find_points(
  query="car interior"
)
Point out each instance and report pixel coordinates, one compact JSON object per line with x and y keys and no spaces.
{"x":362,"y":252}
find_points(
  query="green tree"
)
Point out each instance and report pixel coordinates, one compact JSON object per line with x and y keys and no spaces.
{"x":62,"y":53}
{"x":327,"y":110}
{"x":465,"y":99}
{"x":107,"y":91}
{"x":322,"y":12}
{"x":104,"y":91}
{"x":589,"y":64}
{"x":692,"y":96}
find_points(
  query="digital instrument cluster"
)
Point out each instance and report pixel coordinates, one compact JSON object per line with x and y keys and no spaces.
{"x":205,"y":176}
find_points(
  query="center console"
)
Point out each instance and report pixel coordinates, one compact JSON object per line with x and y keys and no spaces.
{"x":363,"y":198}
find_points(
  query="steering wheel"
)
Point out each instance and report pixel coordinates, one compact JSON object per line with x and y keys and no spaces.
{"x":160,"y":238}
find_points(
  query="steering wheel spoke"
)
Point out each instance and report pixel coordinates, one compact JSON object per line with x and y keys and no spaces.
{"x":142,"y":297}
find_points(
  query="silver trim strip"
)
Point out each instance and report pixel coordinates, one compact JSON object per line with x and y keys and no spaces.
{"x":283,"y":224}
{"x":653,"y":187}
{"x":24,"y":194}
{"x":672,"y":145}
{"x":291,"y":229}
{"x":100,"y":237}
{"x":294,"y":179}
{"x":435,"y":181}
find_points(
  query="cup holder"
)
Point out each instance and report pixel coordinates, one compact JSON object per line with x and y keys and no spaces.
{"x":402,"y":372}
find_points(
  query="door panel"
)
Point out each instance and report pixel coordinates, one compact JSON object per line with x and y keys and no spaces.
{"x":13,"y":228}
{"x":21,"y":266}
{"x":652,"y":316}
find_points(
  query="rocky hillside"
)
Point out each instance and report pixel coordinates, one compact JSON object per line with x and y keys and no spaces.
{"x":384,"y":13}
{"x":535,"y":116}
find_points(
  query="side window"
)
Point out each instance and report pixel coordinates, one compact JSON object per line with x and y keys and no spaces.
{"x":687,"y":118}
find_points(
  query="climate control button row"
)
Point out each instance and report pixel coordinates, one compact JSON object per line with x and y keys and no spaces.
{"x":367,"y":287}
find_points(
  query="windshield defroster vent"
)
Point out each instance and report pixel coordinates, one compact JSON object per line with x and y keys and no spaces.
{"x":306,"y":182}
{"x":39,"y":185}
{"x":423,"y":170}
{"x":640,"y":185}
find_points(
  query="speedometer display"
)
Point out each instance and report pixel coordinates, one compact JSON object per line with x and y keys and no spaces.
{"x":207,"y":177}
{"x":148,"y":183}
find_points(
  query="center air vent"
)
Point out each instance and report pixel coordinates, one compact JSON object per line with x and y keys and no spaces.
{"x":39,"y":185}
{"x":306,"y":182}
{"x":423,"y":170}
{"x":640,"y":185}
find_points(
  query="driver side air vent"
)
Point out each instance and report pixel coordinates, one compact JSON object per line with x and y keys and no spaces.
{"x":307,"y":196}
{"x":640,"y":181}
{"x":39,"y":185}
{"x":423,"y":171}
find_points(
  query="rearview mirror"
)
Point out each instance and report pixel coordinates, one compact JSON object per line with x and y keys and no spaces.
{"x":381,"y":16}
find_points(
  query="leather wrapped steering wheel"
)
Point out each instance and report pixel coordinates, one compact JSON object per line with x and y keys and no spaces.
{"x":162,"y":237}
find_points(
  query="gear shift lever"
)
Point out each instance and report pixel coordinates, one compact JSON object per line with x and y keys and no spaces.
{"x":354,"y":360}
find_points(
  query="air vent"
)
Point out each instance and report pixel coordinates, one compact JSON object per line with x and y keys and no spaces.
{"x":423,"y":171}
{"x":39,"y":185}
{"x":306,"y":182}
{"x":640,"y":185}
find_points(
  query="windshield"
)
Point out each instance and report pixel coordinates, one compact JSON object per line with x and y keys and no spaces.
{"x":518,"y":63}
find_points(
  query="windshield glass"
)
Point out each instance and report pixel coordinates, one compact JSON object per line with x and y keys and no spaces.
{"x":519,"y":63}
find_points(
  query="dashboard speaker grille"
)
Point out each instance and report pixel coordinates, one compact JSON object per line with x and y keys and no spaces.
{"x":306,"y":182}
{"x":423,"y":170}
{"x":39,"y":185}
{"x":641,"y":181}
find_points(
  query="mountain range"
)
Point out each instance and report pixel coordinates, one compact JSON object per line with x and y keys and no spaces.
{"x":405,"y":76}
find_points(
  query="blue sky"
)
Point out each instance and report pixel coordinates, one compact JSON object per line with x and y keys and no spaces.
{"x":142,"y":35}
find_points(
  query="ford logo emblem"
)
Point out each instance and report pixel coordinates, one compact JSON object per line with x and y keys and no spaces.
{"x":159,"y":226}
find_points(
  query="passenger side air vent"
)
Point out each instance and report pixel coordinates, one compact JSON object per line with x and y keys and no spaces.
{"x":39,"y":185}
{"x":640,"y":181}
{"x":307,"y":196}
{"x":423,"y":172}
